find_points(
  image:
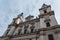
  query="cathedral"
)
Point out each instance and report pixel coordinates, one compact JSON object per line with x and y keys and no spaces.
{"x":43,"y":27}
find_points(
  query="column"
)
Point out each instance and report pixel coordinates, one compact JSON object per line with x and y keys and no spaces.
{"x":11,"y":30}
{"x":16,"y":31}
{"x":6,"y":32}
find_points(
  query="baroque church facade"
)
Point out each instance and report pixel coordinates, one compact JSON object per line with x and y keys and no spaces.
{"x":44,"y":27}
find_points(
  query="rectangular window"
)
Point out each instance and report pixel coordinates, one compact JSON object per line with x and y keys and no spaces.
{"x":30,"y":39}
{"x":50,"y":37}
{"x":48,"y":24}
{"x":32,"y":30}
{"x":25,"y":31}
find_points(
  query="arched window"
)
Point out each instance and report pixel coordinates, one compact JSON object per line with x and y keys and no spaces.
{"x":25,"y":31}
{"x":32,"y":29}
{"x":19,"y":31}
{"x":45,"y":11}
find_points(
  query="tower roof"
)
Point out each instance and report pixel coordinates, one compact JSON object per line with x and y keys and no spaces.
{"x":44,"y":6}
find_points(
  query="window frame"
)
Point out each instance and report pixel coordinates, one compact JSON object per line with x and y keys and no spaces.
{"x":50,"y":37}
{"x":48,"y":24}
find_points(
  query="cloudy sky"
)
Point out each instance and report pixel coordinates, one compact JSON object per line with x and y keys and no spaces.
{"x":9,"y":9}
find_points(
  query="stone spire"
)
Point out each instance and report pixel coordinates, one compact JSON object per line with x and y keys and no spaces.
{"x":19,"y":18}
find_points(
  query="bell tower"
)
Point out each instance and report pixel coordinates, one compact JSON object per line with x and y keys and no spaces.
{"x":47,"y":16}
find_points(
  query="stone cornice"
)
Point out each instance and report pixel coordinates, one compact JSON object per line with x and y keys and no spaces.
{"x":29,"y":22}
{"x":50,"y":28}
{"x":34,"y":33}
{"x":50,"y":13}
{"x":13,"y":36}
